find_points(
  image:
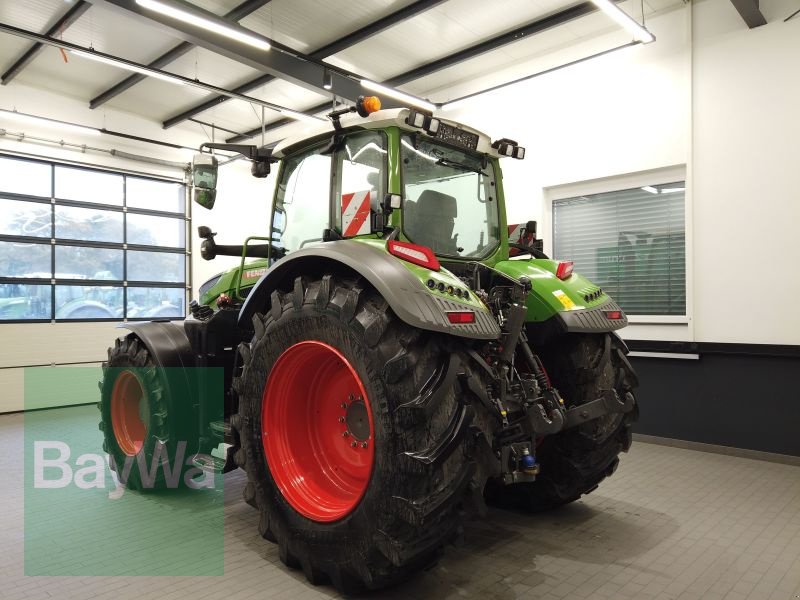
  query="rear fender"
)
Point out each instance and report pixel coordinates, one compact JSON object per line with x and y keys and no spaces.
{"x":405,"y":293}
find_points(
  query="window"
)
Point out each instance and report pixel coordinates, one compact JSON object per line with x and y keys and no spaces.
{"x":450,"y":200}
{"x":631,"y":243}
{"x":82,"y":244}
{"x":360,"y":182}
{"x":302,"y":204}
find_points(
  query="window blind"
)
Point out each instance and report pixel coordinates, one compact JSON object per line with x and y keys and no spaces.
{"x":632,"y":243}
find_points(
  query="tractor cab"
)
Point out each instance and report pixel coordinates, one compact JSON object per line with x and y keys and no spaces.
{"x":377,"y":174}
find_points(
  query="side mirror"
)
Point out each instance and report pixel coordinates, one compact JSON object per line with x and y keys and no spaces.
{"x":204,"y":179}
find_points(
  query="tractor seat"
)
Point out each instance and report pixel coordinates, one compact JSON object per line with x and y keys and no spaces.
{"x":430,"y":221}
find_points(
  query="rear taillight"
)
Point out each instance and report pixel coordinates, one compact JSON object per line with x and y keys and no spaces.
{"x":614,"y":315}
{"x":564,"y":270}
{"x":461,"y":317}
{"x":419,"y":255}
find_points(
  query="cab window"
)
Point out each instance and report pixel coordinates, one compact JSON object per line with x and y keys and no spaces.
{"x":302,"y":198}
{"x":360,"y":182}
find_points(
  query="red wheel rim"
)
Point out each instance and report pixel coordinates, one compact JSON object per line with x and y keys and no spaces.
{"x":317,"y":431}
{"x":126,"y":404}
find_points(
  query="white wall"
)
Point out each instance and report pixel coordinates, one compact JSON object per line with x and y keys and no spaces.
{"x":35,"y":101}
{"x":604,"y":121}
{"x":242,"y":209}
{"x":622,"y":112}
{"x":746,"y":148}
{"x":710,"y":96}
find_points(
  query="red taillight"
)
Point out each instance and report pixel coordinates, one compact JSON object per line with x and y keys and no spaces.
{"x":419,"y":255}
{"x":564,"y":270}
{"x":614,"y":315}
{"x":461,"y":317}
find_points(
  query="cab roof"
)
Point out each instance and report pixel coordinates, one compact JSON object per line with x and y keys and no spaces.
{"x":393,"y":117}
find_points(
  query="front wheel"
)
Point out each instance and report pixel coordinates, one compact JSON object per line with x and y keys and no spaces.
{"x":354,"y":487}
{"x":147,"y":436}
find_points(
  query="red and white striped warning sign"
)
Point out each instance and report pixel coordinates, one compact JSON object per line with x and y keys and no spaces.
{"x":355,"y":214}
{"x":514,"y":232}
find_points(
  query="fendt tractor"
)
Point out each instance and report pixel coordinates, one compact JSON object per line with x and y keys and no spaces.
{"x":396,"y":356}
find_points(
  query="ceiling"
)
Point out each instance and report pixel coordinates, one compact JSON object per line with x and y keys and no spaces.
{"x":447,"y":27}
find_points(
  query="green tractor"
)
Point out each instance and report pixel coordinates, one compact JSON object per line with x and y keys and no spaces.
{"x":395,"y":357}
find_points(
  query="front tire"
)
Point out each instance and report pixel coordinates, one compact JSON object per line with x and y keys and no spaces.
{"x":146,"y":436}
{"x":363,"y":496}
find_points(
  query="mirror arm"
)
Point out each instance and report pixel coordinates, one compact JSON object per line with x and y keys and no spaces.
{"x":247,"y":150}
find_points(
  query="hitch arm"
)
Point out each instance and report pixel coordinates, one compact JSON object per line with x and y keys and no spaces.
{"x":608,"y":403}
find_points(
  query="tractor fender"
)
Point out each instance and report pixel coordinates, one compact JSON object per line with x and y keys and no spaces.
{"x":169,"y":346}
{"x":405,"y":293}
{"x":621,"y":342}
{"x":166,"y":340}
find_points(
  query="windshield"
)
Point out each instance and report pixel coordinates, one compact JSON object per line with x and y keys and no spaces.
{"x":449,"y":199}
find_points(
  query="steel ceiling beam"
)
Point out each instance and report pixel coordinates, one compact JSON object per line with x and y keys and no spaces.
{"x":125,"y":63}
{"x":280,"y":62}
{"x":67,"y":19}
{"x":538,"y":26}
{"x":750,"y":12}
{"x":328,"y":50}
{"x":237,"y":14}
{"x":532,"y":28}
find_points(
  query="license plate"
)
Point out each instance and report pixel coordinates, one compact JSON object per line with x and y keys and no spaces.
{"x":457,"y":137}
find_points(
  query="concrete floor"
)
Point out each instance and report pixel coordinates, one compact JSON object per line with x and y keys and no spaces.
{"x":670,"y":524}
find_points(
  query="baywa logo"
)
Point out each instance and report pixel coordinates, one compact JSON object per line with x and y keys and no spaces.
{"x":53,"y":469}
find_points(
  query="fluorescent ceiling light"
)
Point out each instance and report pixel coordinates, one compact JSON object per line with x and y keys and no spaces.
{"x":198,"y":21}
{"x":299,"y":116}
{"x":672,"y":190}
{"x":650,"y":188}
{"x":126,"y":66}
{"x":398,"y":95}
{"x":294,"y":114}
{"x":55,"y":124}
{"x":624,"y":19}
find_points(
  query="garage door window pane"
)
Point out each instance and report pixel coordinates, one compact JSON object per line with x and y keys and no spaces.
{"x":156,"y":266}
{"x":629,"y":242}
{"x":25,"y":218}
{"x":88,"y":302}
{"x":77,"y":262}
{"x":155,"y":302}
{"x":24,"y":177}
{"x":155,"y":195}
{"x":24,"y":260}
{"x":156,"y":231}
{"x":23,"y":301}
{"x":88,"y":224}
{"x":90,"y":246}
{"x":88,"y":186}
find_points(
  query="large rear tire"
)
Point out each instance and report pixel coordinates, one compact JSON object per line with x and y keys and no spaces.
{"x":355,"y":488}
{"x":574,"y":462}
